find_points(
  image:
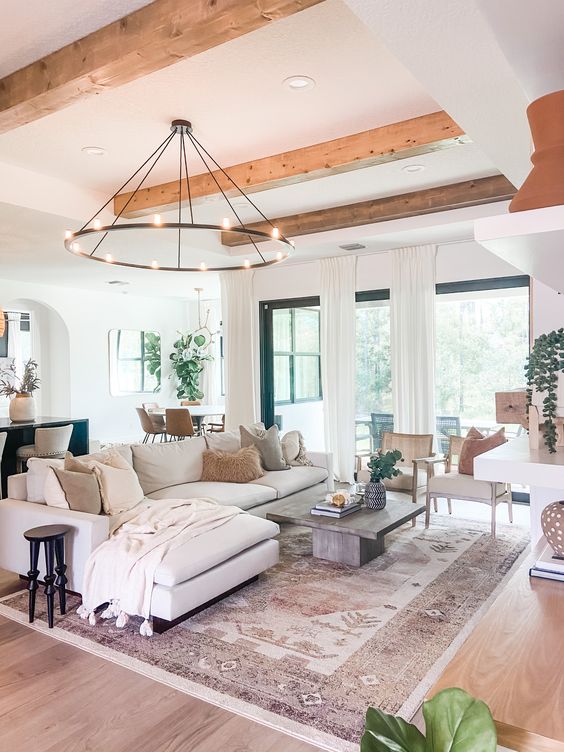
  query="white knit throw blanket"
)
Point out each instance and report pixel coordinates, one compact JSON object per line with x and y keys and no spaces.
{"x":121,"y":570}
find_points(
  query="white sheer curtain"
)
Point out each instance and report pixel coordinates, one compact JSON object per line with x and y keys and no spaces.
{"x":338,"y":353}
{"x":238,"y":344}
{"x":211,"y":378}
{"x":413,"y":338}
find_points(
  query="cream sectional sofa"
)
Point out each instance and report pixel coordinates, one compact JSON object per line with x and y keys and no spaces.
{"x":191,"y":576}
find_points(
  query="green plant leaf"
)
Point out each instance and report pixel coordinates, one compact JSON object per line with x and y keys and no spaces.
{"x":457,"y":722}
{"x":388,"y":733}
{"x":199,"y":340}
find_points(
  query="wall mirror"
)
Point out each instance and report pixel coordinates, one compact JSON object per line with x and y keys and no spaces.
{"x":135,"y":361}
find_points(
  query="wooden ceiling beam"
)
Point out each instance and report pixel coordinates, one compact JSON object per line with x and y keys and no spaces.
{"x":426,"y":201}
{"x":154,"y":37}
{"x":403,"y":140}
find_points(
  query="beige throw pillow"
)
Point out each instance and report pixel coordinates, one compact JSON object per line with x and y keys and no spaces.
{"x":119,"y":486}
{"x":53,"y":491}
{"x":293,"y":449}
{"x":36,"y":476}
{"x":242,"y":466}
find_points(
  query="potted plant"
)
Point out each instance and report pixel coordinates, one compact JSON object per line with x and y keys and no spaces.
{"x":381,"y":465}
{"x":190,"y":353}
{"x":544,"y":366}
{"x":454,"y":720}
{"x":22,"y":406}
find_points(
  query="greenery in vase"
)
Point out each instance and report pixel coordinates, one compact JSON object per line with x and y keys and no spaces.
{"x":545,"y":362}
{"x":383,"y":465}
{"x":454,"y":721}
{"x":11,"y":383}
{"x":153,"y":356}
{"x":190,"y":353}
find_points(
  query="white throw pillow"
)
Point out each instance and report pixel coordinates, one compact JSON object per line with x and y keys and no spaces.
{"x":293,"y":449}
{"x":119,"y":484}
{"x":53,"y":492}
{"x":37,"y":469}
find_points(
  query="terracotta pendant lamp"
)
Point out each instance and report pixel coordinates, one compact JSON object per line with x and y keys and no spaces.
{"x":545,"y":184}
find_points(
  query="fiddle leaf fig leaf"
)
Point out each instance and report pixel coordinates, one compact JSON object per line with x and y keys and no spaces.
{"x":457,"y":722}
{"x":388,"y":733}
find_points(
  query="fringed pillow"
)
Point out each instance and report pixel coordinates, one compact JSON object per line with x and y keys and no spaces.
{"x":294,"y":450}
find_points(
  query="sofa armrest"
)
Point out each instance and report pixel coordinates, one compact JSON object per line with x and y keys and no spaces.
{"x":88,"y":531}
{"x":17,"y":486}
{"x":323,"y":459}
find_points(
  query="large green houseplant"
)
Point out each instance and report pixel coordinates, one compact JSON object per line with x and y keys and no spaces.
{"x":544,"y":364}
{"x":454,"y":722}
{"x":188,"y":358}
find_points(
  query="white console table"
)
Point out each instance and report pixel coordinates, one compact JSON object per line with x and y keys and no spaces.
{"x":515,"y":462}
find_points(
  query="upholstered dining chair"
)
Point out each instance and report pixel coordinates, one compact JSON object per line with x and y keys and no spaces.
{"x":3,"y":437}
{"x":152,"y":425}
{"x":454,"y":485}
{"x":179,"y":423}
{"x":149,"y":406}
{"x":49,"y":442}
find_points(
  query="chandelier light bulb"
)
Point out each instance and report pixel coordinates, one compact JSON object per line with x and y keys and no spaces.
{"x":246,"y":263}
{"x":109,"y":258}
{"x":154,"y":264}
{"x":157,"y":220}
{"x":226,"y":224}
{"x":279,"y":256}
{"x":97,"y":224}
{"x":275,"y":232}
{"x":203,"y":267}
{"x":68,"y":234}
{"x":75,"y":247}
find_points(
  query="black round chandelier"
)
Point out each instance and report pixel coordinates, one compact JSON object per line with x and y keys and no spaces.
{"x":160,"y":245}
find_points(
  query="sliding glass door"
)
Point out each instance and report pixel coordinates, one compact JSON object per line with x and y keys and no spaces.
{"x":291,"y":393}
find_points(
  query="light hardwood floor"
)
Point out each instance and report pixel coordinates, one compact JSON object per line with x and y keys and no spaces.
{"x":57,"y":698}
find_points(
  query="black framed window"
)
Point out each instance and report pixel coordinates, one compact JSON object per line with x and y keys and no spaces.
{"x":290,"y":353}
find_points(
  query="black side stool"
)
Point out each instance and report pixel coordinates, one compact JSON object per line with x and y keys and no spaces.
{"x":53,"y":536}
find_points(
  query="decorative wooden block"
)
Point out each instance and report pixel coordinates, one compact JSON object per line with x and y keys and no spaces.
{"x":511,"y":407}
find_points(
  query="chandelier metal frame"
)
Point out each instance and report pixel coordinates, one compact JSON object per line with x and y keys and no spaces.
{"x":182,"y":128}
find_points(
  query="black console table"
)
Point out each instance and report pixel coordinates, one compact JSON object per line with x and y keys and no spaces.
{"x":20,"y":434}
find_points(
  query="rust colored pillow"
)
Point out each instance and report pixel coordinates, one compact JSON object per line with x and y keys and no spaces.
{"x":232,"y":467}
{"x":475,"y":444}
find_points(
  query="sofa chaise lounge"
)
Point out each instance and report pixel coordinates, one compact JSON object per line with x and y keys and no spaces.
{"x":189,"y":577}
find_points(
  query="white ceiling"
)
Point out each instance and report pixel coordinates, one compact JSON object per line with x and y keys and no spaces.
{"x":241,"y":111}
{"x":35,"y":28}
{"x":235,"y":98}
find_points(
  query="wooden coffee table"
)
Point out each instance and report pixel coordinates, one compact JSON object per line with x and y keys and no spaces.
{"x":353,"y":540}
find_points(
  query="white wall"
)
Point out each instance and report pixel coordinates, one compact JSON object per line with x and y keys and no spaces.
{"x":547,"y":309}
{"x":88,"y":317}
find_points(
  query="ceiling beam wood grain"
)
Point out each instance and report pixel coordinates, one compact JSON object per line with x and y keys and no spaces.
{"x":426,"y":201}
{"x":403,"y":140}
{"x":150,"y":39}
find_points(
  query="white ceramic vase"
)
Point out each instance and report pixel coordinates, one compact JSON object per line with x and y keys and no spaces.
{"x":22,"y":408}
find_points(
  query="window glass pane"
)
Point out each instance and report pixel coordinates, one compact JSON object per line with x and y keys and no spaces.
{"x":482,"y":344}
{"x":151,"y":382}
{"x":129,"y":344}
{"x":306,"y":330}
{"x":306,"y":377}
{"x":373,"y":370}
{"x":129,"y":375}
{"x":282,"y":329}
{"x":282,"y":378}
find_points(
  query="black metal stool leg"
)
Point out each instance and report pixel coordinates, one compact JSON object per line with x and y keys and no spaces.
{"x":50,"y":580}
{"x":60,"y":569}
{"x":33,"y":574}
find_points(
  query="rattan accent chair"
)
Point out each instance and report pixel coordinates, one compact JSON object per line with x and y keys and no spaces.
{"x":455,"y":485}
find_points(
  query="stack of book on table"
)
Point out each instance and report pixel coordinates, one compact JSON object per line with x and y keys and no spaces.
{"x":549,"y":566}
{"x":327,"y":509}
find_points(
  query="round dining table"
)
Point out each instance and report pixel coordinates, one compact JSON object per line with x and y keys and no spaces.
{"x":198,"y":412}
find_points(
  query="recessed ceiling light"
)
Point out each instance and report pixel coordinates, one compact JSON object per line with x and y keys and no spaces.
{"x":299,"y":83}
{"x":352,"y":246}
{"x":413,"y":168}
{"x":93,"y":151}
